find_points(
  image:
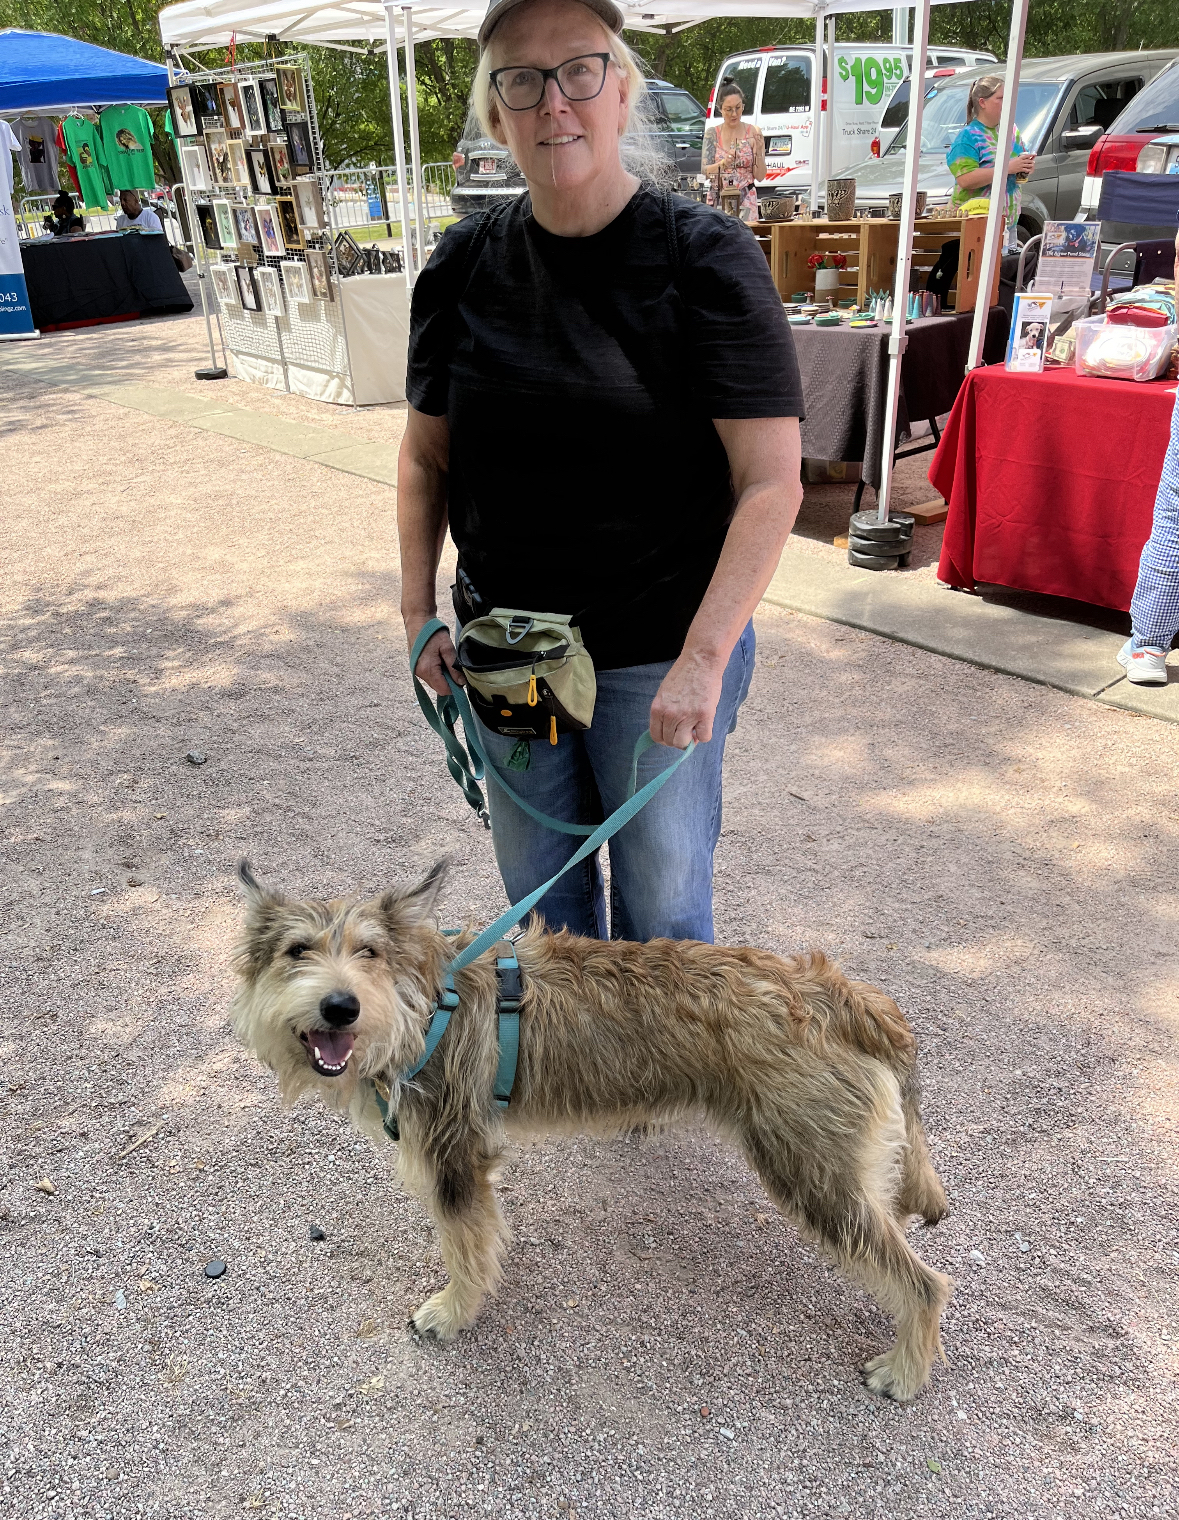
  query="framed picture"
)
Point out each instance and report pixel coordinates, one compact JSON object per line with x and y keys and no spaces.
{"x":231,"y":111}
{"x":288,"y":221}
{"x":246,"y":288}
{"x":207,"y":105}
{"x":319,"y":275}
{"x":251,"y":107}
{"x":294,"y":277}
{"x":224,"y":284}
{"x":269,"y":291}
{"x":269,"y":237}
{"x":217,"y":147}
{"x":195,"y":164}
{"x":210,"y":233}
{"x":271,"y":111}
{"x":237,"y":162}
{"x":243,"y":221}
{"x":223,"y":216}
{"x":299,"y":144}
{"x":280,"y":162}
{"x":309,"y":202}
{"x":184,"y":117}
{"x":349,"y":258}
{"x":259,"y":166}
{"x":291,"y":95}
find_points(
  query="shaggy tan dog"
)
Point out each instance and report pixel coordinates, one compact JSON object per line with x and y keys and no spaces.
{"x":813,"y":1076}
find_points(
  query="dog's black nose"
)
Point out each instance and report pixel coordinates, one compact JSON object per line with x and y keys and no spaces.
{"x":340,"y":1008}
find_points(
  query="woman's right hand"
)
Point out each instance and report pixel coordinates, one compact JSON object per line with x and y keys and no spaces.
{"x":1024,"y":163}
{"x":431,"y":669}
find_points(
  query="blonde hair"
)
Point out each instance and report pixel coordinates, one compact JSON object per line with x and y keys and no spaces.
{"x":982,"y":89}
{"x":485,"y":103}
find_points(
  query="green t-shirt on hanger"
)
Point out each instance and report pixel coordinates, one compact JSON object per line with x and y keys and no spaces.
{"x":84,"y":145}
{"x":126,"y":141}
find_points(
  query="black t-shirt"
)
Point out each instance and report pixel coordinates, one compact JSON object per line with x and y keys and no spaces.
{"x":580,"y":377}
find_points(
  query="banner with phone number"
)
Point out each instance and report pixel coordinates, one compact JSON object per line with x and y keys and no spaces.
{"x":16,"y":319}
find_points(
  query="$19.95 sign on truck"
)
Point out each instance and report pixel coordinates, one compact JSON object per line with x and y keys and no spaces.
{"x":864,"y":84}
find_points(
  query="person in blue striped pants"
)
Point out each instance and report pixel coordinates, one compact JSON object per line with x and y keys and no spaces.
{"x":1154,"y":611}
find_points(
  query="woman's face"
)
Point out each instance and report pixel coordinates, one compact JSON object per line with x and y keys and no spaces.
{"x":562,"y":143}
{"x":731,"y":108}
{"x":990,"y":108}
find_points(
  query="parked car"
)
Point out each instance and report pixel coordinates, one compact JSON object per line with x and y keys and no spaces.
{"x":1142,"y":139}
{"x":781,"y":99}
{"x":1056,"y":97}
{"x":486,"y":174}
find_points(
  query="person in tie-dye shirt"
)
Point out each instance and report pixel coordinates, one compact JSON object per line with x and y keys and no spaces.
{"x":972,"y":153}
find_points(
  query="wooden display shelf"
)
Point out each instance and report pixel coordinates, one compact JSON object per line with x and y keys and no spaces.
{"x":870,"y":246}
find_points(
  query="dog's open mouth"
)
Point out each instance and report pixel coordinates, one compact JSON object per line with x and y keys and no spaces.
{"x":328,"y":1050}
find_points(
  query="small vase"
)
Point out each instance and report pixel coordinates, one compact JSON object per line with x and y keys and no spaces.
{"x":826,"y":284}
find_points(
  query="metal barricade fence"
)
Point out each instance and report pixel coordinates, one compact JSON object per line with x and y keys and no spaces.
{"x":34,"y":208}
{"x":363,"y":197}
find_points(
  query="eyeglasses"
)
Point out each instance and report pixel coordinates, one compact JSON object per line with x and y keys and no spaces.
{"x":522,"y":89}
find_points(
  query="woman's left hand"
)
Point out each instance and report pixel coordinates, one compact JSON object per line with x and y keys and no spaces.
{"x":686,"y":702}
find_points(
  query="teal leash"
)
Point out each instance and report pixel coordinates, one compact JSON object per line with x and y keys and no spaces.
{"x":469,"y":772}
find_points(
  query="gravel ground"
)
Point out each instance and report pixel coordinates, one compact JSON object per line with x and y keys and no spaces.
{"x":663,"y":1344}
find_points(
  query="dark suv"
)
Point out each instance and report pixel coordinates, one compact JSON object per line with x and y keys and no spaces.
{"x":486,"y":173}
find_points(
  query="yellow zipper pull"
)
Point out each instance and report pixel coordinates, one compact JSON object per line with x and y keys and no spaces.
{"x":553,"y":729}
{"x":532,"y":691}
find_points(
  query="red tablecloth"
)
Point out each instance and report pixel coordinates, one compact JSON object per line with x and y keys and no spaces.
{"x":1051,"y":481}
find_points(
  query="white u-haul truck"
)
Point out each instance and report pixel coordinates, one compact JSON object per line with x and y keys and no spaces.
{"x":783,"y":93}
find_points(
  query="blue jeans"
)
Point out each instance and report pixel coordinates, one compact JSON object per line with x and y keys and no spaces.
{"x":661,"y":861}
{"x":1154,"y":612}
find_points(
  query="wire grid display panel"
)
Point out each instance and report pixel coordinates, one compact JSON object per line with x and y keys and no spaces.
{"x":311,"y":334}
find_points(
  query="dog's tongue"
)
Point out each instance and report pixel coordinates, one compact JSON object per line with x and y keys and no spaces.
{"x":334,"y":1045}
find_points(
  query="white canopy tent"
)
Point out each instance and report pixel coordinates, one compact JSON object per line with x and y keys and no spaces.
{"x":390,"y":24}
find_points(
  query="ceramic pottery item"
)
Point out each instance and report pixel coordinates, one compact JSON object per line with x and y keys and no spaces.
{"x":799,"y":321}
{"x":841,"y":199}
{"x":826,"y":282}
{"x":777,"y":208}
{"x":828,"y":319}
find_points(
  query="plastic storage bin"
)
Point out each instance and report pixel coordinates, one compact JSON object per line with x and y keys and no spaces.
{"x":1117,"y":352}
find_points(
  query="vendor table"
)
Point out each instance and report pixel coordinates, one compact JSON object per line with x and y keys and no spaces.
{"x":1051,"y":481}
{"x":107,"y":277}
{"x":845,"y":381}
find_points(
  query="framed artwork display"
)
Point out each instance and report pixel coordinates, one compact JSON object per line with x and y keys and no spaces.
{"x":224,"y":284}
{"x":237,"y":162}
{"x":291,"y":95}
{"x":294,"y":277}
{"x":288,"y":221}
{"x":184,"y":117}
{"x":260,"y":180}
{"x":299,"y":144}
{"x":309,"y":201}
{"x":349,"y":257}
{"x":269,"y":291}
{"x":207,"y":104}
{"x":319,"y":274}
{"x":251,"y":107}
{"x":271,"y":110}
{"x":280,"y":162}
{"x":269,"y":237}
{"x":217,"y":147}
{"x":246,"y":288}
{"x":196,"y":166}
{"x":223,"y":216}
{"x":210,"y":233}
{"x":243,"y":221}
{"x":231,"y":110}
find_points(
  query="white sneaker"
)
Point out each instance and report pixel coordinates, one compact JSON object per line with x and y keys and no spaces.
{"x":1145,"y":666}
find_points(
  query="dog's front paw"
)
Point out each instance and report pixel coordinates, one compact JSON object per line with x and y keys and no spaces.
{"x":439,"y":1317}
{"x":895,"y":1375}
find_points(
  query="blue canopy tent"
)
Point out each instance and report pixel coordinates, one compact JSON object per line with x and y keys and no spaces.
{"x":43,"y":73}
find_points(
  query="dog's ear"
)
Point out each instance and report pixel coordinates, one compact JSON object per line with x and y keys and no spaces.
{"x":263,"y":922}
{"x":256,"y":894}
{"x":405,"y":908}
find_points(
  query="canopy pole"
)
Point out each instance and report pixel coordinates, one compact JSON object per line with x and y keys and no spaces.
{"x":829,"y":125}
{"x":415,"y":148}
{"x":998,"y":206}
{"x":398,"y":141}
{"x":817,"y":134}
{"x":900,"y":298}
{"x":200,"y":256}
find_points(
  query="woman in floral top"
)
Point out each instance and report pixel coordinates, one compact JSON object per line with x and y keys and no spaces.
{"x":734,"y":153}
{"x":972,"y":153}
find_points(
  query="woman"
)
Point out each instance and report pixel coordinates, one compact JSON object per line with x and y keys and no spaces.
{"x":604,"y":406}
{"x":65,"y":220}
{"x":734,"y":153}
{"x":972,"y":154}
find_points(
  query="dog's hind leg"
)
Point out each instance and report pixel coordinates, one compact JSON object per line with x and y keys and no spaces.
{"x":472,"y":1235}
{"x":921,"y":1190}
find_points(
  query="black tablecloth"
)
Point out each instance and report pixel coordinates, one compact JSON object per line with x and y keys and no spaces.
{"x":79,"y":280}
{"x":845,"y":381}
